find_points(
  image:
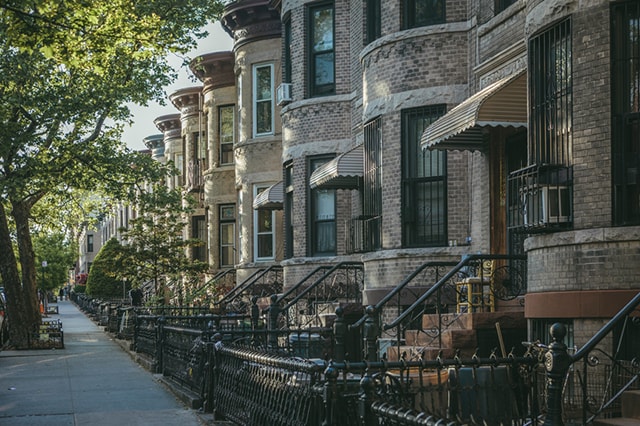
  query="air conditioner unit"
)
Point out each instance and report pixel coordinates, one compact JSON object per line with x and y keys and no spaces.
{"x":545,"y":204}
{"x":283,"y":93}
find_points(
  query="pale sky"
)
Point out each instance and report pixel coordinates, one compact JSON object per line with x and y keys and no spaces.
{"x":143,"y":117}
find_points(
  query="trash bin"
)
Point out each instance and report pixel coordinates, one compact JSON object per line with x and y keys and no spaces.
{"x":306,"y":345}
{"x":483,"y":393}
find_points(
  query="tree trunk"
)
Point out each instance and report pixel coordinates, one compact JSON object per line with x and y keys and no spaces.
{"x":20,"y":318}
{"x":20,"y":213}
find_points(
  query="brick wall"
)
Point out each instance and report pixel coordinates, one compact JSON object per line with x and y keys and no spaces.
{"x":591,"y":259}
{"x":591,"y":118}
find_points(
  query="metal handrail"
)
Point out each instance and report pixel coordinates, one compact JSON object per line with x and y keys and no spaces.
{"x":221,"y":274}
{"x":602,"y":333}
{"x":301,"y":282}
{"x":464,"y":262}
{"x":399,"y":288}
{"x":252,"y":279}
{"x":318,"y":282}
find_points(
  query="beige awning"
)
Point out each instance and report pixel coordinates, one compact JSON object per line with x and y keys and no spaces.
{"x":271,"y":198}
{"x":343,"y":172}
{"x":503,"y":103}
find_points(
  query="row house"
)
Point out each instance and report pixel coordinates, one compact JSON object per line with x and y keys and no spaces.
{"x":394,"y":133}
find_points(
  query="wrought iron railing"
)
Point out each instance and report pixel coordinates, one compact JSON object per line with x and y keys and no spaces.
{"x":505,"y":276}
{"x":262,"y":283}
{"x":244,"y":379}
{"x":603,"y":350}
{"x":308,"y":303}
{"x":215,"y":288}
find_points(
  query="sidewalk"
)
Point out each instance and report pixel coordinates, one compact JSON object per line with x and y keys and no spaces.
{"x":91,"y":382}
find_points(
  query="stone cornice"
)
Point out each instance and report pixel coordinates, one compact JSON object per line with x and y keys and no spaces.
{"x":215,"y":70}
{"x":251,"y":20}
{"x":166,"y":123}
{"x":187,"y":100}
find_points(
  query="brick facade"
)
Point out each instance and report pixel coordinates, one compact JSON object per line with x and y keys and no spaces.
{"x":432,"y":65}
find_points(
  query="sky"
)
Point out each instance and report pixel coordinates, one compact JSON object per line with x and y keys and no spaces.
{"x":217,"y":41}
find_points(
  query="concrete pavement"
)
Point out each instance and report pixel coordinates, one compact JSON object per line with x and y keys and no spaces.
{"x":92,"y":381}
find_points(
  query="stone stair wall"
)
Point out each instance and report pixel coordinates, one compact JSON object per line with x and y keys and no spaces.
{"x":465,"y":332}
{"x":630,"y":411}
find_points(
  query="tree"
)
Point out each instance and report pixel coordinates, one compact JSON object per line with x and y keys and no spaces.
{"x":104,"y":281}
{"x":156,"y":248}
{"x":59,"y":255}
{"x":67,"y":71}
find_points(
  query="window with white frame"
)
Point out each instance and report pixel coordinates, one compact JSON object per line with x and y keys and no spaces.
{"x":263,"y":230}
{"x":227,"y":235}
{"x":322,"y":215}
{"x":226,"y":133}
{"x":263,"y":115}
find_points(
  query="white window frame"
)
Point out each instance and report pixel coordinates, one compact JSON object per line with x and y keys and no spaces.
{"x":256,"y":101}
{"x":233,"y":131}
{"x":256,"y":190}
{"x":223,"y":222}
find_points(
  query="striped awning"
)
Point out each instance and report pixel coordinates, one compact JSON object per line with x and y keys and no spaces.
{"x":271,"y":198}
{"x":343,"y":172}
{"x":503,"y":103}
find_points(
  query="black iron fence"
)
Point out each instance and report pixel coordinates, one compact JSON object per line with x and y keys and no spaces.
{"x":257,"y":375}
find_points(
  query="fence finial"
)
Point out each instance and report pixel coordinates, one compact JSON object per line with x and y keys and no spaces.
{"x":557,"y":362}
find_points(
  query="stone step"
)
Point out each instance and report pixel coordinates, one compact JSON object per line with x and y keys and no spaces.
{"x":415,"y":353}
{"x":630,"y":401}
{"x":455,"y":339}
{"x":476,"y":320}
{"x":513,"y":305}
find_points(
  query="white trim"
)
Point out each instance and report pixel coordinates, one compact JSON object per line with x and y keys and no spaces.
{"x":256,"y":190}
{"x":254,"y":99}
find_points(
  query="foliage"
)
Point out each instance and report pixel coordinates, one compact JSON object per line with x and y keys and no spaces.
{"x":67,"y":71}
{"x":155,"y":244}
{"x":59,"y":255}
{"x":103,"y":280}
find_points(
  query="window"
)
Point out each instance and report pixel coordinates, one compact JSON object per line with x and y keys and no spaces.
{"x":90,"y":243}
{"x":424,"y":182}
{"x":420,"y":13}
{"x":374,"y":22}
{"x":625,"y":105}
{"x":551,"y":96}
{"x":199,"y":145}
{"x":322,"y":211}
{"x":263,"y":100}
{"x":322,"y":56}
{"x":227,"y":133}
{"x":500,"y":5}
{"x":199,"y":232}
{"x":198,"y":161}
{"x":288,"y":210}
{"x":227,"y":235}
{"x":286,"y":55}
{"x":180,"y":166}
{"x":263,"y":229}
{"x":372,"y":188}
